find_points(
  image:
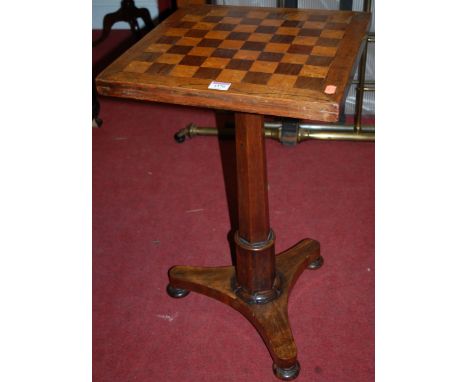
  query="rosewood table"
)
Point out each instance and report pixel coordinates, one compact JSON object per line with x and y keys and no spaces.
{"x":253,"y":61}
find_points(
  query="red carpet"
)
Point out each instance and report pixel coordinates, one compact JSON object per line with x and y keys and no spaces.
{"x":157,"y":203}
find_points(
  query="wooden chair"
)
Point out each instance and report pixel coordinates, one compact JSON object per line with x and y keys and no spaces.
{"x":130,"y":14}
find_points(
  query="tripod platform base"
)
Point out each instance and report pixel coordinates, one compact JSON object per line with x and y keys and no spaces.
{"x":270,"y":319}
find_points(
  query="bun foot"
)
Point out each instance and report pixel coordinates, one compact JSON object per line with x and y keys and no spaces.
{"x":287,"y":374}
{"x":316,"y":264}
{"x":176,"y":292}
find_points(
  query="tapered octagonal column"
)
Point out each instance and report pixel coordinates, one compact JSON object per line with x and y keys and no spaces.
{"x":256,"y":279}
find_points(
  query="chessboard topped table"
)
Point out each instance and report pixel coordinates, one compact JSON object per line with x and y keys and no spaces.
{"x":260,"y":61}
{"x":278,"y":61}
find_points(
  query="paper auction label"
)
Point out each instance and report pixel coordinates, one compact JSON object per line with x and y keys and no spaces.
{"x":219,"y":85}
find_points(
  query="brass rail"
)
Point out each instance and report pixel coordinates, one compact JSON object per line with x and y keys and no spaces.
{"x":275,"y":131}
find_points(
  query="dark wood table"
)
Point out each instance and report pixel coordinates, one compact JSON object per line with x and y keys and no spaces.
{"x":255,"y":62}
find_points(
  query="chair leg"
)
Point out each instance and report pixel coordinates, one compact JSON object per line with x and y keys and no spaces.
{"x":128,"y":13}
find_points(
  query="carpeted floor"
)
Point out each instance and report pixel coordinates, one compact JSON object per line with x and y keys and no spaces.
{"x":157,"y":203}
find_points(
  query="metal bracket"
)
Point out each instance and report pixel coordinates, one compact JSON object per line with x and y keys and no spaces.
{"x":289,"y":132}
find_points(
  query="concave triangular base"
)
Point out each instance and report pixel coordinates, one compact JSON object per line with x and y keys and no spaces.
{"x":270,"y":319}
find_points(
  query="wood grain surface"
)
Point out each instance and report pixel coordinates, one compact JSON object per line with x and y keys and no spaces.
{"x":271,"y":320}
{"x":277,"y":61}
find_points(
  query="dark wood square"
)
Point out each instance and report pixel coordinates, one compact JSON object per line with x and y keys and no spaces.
{"x":275,"y":16}
{"x":180,"y":49}
{"x":148,"y":56}
{"x":336,"y":26}
{"x":291,"y":23}
{"x":317,"y":18}
{"x":238,"y":64}
{"x":224,"y":53}
{"x":212,"y":19}
{"x":257,"y":78}
{"x":235,"y":13}
{"x":207,"y":73}
{"x":210,"y":42}
{"x":270,"y":56}
{"x":309,"y":83}
{"x":300,"y":49}
{"x":192,"y":60}
{"x":224,"y":27}
{"x":238,"y":36}
{"x":322,"y":41}
{"x":249,"y":21}
{"x":266,"y":29}
{"x":158,"y":68}
{"x":253,"y":45}
{"x":319,"y":60}
{"x":168,"y":40}
{"x":286,"y":68}
{"x":196,"y":33}
{"x":185,"y":24}
{"x":309,"y":32}
{"x":282,"y":39}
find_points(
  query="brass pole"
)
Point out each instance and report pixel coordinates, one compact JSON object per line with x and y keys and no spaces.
{"x":321,"y":127}
{"x":360,"y":90}
{"x":335,"y":135}
{"x":361,"y":78}
{"x":273,"y":130}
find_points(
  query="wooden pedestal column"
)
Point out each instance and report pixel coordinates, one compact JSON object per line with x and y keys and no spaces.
{"x":256,"y":280}
{"x":259,"y":285}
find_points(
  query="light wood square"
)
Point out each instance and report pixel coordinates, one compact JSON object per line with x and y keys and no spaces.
{"x":192,"y":18}
{"x":245,"y":28}
{"x":201,"y":51}
{"x":203,"y":25}
{"x":176,"y":32}
{"x":189,"y":41}
{"x":341,"y":18}
{"x":263,"y":67}
{"x":314,"y":25}
{"x":219,"y":35}
{"x":257,"y":14}
{"x":168,"y":58}
{"x":327,"y":51}
{"x":218,"y":12}
{"x":158,"y":48}
{"x":215,"y":62}
{"x":272,"y":22}
{"x":288,"y":31}
{"x":260,"y":37}
{"x":137,"y":66}
{"x":229,"y":75}
{"x":329,"y":33}
{"x":247,"y":54}
{"x":275,"y":47}
{"x":305,"y":40}
{"x":184,"y":71}
{"x":314,"y":71}
{"x":231,"y":44}
{"x":294,"y":58}
{"x":297,"y":16}
{"x":282,"y":80}
{"x":230,"y":20}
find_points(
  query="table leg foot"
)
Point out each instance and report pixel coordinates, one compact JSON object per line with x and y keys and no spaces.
{"x":176,"y":292}
{"x":287,"y":374}
{"x":316,"y":264}
{"x":270,"y":319}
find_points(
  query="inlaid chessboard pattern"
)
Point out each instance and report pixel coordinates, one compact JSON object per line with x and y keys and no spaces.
{"x":266,"y":55}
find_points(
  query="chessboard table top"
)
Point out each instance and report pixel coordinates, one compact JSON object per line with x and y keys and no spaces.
{"x":274,"y":61}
